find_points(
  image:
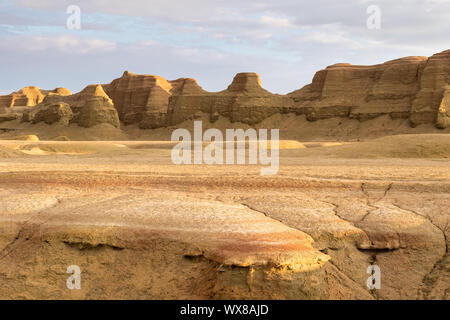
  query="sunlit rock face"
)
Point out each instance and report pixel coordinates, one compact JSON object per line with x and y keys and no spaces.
{"x":30,"y":96}
{"x":443,"y":116}
{"x":243,"y":101}
{"x":361,"y":92}
{"x":407,"y":88}
{"x":434,"y":78}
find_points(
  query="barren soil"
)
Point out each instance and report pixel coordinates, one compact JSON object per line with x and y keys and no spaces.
{"x":140,"y":227}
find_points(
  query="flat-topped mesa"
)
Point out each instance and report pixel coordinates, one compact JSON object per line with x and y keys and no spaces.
{"x":186,"y":86}
{"x":247,"y":83}
{"x":361,"y":92}
{"x":61,"y":92}
{"x":132,"y":81}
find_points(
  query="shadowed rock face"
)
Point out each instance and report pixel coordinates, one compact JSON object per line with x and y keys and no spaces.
{"x":408,"y":88}
{"x":53,"y":113}
{"x":98,"y":110}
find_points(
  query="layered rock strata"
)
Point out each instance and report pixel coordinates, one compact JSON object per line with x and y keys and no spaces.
{"x":411,"y":88}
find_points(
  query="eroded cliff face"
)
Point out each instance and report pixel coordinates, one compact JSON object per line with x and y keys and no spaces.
{"x":29,"y":96}
{"x":433,"y":80}
{"x":361,"y":92}
{"x":409,"y":88}
{"x":443,"y":118}
{"x":243,"y":101}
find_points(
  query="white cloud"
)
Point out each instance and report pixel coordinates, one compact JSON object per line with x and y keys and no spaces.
{"x":212,"y":39}
{"x":61,"y":43}
{"x":275,"y":22}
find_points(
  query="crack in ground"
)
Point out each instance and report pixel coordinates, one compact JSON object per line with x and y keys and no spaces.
{"x":335,"y":210}
{"x":337,"y":215}
{"x":372,"y":253}
{"x":368,"y":201}
{"x":443,"y":230}
{"x":259,"y":211}
{"x":387,"y":190}
{"x":371,"y":292}
{"x":426,"y":291}
{"x":23,"y":228}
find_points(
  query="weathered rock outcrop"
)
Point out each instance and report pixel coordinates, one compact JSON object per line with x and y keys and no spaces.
{"x":98,"y":110}
{"x":408,"y":88}
{"x":78,"y":100}
{"x":143,"y":98}
{"x":361,"y":92}
{"x":433,"y":80}
{"x":243,"y":101}
{"x":49,"y":113}
{"x":9,"y":116}
{"x":443,"y":117}
{"x":30,"y":96}
{"x":153,"y":101}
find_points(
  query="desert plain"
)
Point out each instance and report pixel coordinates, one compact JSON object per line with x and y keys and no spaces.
{"x":87,"y":180}
{"x":141,"y":227}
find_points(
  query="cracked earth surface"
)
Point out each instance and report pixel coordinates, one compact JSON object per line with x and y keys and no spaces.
{"x":141,"y":228}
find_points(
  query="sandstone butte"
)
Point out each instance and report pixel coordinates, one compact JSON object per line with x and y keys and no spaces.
{"x":414,"y":88}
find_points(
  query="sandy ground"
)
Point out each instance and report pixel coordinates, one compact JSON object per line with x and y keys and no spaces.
{"x":141,"y":227}
{"x":291,"y":127}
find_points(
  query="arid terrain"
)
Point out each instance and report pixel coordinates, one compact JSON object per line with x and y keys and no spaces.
{"x":141,"y":227}
{"x":87,"y":180}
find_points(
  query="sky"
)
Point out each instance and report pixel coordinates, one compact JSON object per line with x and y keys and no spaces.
{"x":284,"y":41}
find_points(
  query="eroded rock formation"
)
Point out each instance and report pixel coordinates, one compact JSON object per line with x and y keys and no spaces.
{"x":98,"y":110}
{"x":30,"y":96}
{"x":443,"y":118}
{"x":409,"y":88}
{"x":361,"y":92}
{"x":49,"y":113}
